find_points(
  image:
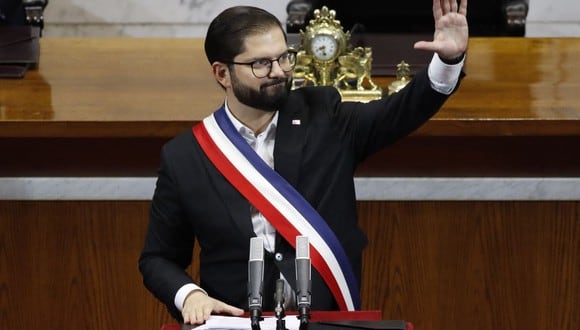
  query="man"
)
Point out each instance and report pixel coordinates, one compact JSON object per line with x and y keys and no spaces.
{"x":270,"y":155}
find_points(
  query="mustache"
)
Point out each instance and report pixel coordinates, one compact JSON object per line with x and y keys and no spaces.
{"x":275,"y":82}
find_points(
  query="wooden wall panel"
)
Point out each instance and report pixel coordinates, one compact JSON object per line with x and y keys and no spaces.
{"x":73,"y":265}
{"x":441,"y":265}
{"x":474,"y":265}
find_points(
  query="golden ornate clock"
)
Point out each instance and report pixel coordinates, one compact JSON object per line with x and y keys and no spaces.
{"x":327,"y":58}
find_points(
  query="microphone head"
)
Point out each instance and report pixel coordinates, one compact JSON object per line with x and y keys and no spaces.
{"x":302,"y":247}
{"x":279,"y":292}
{"x":256,"y":249}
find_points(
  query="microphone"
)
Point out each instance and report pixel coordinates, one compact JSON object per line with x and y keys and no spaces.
{"x":303,"y":280}
{"x":255,"y":280}
{"x":279,"y":305}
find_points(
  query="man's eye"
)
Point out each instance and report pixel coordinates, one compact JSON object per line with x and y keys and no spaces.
{"x":262,"y":62}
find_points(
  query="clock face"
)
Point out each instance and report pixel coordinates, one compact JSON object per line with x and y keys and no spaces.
{"x":324,"y":47}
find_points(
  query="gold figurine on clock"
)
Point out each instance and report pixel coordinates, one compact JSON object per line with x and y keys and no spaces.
{"x":326,"y":58}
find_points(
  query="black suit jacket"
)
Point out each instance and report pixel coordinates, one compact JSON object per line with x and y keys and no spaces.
{"x":318,"y":157}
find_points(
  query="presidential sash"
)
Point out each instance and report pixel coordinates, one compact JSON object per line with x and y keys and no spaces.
{"x":279,"y":202}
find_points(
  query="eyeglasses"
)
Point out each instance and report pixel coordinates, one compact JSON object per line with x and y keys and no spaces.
{"x":262,"y":67}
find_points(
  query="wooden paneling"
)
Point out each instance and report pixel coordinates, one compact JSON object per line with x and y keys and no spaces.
{"x":92,"y":157}
{"x":441,"y":265}
{"x":474,"y":265}
{"x":73,"y":265}
{"x":474,"y":156}
{"x":551,"y":156}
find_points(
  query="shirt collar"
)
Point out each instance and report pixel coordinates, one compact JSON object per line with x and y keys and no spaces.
{"x":245,"y":130}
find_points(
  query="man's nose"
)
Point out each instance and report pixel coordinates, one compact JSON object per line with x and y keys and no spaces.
{"x":276,"y":70}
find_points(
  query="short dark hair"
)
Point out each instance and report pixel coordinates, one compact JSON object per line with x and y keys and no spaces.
{"x":227,"y":32}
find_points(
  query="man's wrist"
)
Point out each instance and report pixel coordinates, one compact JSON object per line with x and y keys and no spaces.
{"x":443,"y":76}
{"x":184,"y":292}
{"x":453,"y":61}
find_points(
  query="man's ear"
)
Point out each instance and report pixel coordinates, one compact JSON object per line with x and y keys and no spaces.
{"x":221,"y":72}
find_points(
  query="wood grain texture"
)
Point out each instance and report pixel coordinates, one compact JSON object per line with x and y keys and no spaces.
{"x":139,"y":87}
{"x":73,"y":265}
{"x":474,"y":265}
{"x":441,"y":265}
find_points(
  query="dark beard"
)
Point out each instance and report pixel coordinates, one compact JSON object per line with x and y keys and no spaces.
{"x":270,"y":97}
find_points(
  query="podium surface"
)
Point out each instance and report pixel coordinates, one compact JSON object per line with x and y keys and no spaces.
{"x":135,"y":87}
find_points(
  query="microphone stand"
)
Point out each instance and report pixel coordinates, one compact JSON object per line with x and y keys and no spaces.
{"x":279,"y":312}
{"x":255,"y":318}
{"x":304,"y":317}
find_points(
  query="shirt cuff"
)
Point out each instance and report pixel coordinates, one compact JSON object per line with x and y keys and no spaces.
{"x":444,"y":77}
{"x":183,"y":292}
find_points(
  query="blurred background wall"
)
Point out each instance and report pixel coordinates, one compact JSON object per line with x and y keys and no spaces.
{"x":189,"y":18}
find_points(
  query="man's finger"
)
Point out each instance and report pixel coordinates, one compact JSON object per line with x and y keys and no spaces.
{"x":453,"y":6}
{"x":446,"y":6}
{"x":228,"y":309}
{"x":463,"y":8}
{"x":437,"y":10}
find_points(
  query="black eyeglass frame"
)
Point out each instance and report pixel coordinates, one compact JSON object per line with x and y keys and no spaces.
{"x":251,"y":64}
